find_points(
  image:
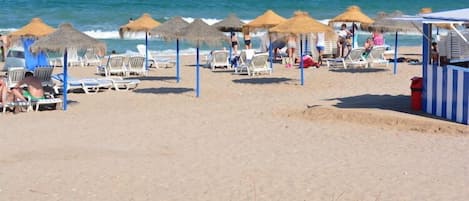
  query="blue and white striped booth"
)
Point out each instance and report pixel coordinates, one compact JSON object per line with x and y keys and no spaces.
{"x":445,"y":88}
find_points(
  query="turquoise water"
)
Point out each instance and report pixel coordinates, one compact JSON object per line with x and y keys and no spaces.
{"x":101,"y":19}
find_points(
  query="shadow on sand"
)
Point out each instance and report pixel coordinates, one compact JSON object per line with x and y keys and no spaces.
{"x":155,"y":78}
{"x":358,"y":70}
{"x":262,"y":80}
{"x":399,"y":103}
{"x":163,"y":90}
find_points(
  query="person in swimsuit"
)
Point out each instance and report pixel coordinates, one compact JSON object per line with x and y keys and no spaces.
{"x":291,"y":47}
{"x":234,"y":43}
{"x":34,"y":88}
{"x":247,"y":40}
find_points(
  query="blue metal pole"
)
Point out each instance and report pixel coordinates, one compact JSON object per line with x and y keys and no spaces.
{"x":231,"y":45}
{"x":306,"y":44}
{"x":395,"y":55}
{"x":146,"y":51}
{"x":65,"y":98}
{"x":425,"y":60}
{"x":177,"y":60}
{"x":270,"y":52}
{"x":197,"y":84}
{"x":301,"y":62}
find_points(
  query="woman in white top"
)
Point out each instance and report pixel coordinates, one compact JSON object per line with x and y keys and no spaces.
{"x":320,"y":44}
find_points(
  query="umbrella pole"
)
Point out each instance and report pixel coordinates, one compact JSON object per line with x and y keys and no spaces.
{"x":353,"y":35}
{"x":306,"y":44}
{"x":270,"y":52}
{"x":146,"y":51}
{"x":197,"y":74}
{"x":231,"y":45}
{"x":177,"y":60}
{"x":395,"y":55}
{"x":301,"y":62}
{"x":64,"y":105}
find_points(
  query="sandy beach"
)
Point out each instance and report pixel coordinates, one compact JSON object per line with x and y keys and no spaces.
{"x":347,"y":134}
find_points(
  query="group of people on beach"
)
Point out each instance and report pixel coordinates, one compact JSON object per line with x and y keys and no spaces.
{"x":33,"y":90}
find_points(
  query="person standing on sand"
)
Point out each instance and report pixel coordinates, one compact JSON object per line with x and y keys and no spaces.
{"x":291,"y":47}
{"x":247,"y":40}
{"x":234,"y":43}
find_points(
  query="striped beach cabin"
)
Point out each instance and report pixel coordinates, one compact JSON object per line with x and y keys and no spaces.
{"x":445,"y":90}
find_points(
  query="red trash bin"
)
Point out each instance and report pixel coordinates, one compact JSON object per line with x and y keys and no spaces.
{"x":416,"y":96}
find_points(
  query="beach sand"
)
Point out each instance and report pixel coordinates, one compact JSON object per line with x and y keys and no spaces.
{"x":344,"y":135}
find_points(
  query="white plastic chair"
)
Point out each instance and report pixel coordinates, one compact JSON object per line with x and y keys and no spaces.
{"x":259,"y":64}
{"x":15,"y":75}
{"x":219,"y":58}
{"x":136,"y":64}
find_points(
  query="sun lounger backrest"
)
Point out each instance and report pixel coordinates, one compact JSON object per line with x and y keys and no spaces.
{"x":356,"y":54}
{"x":259,"y":60}
{"x":220,"y":56}
{"x":15,"y":74}
{"x":377,"y":52}
{"x":136,"y":62}
{"x":44,"y":74}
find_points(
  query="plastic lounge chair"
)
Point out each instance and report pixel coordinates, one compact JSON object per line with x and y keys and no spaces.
{"x":118,"y":83}
{"x":15,"y":75}
{"x":219,"y":58}
{"x":136,"y":65}
{"x":20,"y":104}
{"x":114,"y":65}
{"x":45,"y":101}
{"x":355,"y":58}
{"x":258,"y":64}
{"x":244,"y":58}
{"x":44,"y":74}
{"x":86,"y":84}
{"x":91,"y":58}
{"x":376,"y":56}
{"x":153,"y":59}
{"x":73,"y":59}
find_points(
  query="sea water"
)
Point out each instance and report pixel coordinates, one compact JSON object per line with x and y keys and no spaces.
{"x":102,"y":19}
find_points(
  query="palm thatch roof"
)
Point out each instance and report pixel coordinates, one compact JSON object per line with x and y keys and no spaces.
{"x":385,"y":23}
{"x":267,"y":20}
{"x":301,"y":23}
{"x":145,"y":23}
{"x":352,"y":14}
{"x":200,"y":32}
{"x":170,"y":29}
{"x":230,"y":24}
{"x":67,"y":37}
{"x":35,"y":28}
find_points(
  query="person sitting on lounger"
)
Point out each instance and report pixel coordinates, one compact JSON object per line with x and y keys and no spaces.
{"x":34,"y":88}
{"x":3,"y":90}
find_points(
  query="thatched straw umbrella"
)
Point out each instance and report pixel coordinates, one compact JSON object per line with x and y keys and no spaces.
{"x":170,"y":30}
{"x":385,"y":23}
{"x":63,"y":38}
{"x":301,"y":23}
{"x":145,"y":23}
{"x":352,"y":14}
{"x":230,"y":24}
{"x":199,"y":32}
{"x":36,"y":28}
{"x":265,"y":21}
